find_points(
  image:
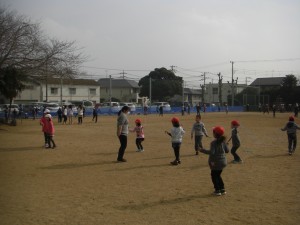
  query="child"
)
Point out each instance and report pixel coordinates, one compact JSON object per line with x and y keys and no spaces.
{"x":235,"y":141}
{"x":139,"y":129}
{"x":217,"y":159}
{"x":50,"y":131}
{"x":291,"y":130}
{"x":176,"y":133}
{"x":43,"y":124}
{"x":199,"y":130}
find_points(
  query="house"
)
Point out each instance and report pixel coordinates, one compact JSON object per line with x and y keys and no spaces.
{"x":120,"y":89}
{"x":56,"y":89}
{"x":267,"y":83}
{"x":193,"y":96}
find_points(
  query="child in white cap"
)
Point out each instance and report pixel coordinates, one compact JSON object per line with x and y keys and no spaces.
{"x":50,"y":131}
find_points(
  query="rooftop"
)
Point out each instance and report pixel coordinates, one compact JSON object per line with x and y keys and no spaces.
{"x":267,"y":81}
{"x":105,"y":83}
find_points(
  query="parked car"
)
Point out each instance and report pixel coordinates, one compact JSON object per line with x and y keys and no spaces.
{"x":166,"y":106}
{"x":107,"y":106}
{"x":130,"y":105}
{"x":85,"y":103}
{"x":12,"y":107}
{"x":52,"y":107}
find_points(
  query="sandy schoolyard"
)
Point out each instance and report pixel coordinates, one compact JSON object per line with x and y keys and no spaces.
{"x":80,"y":183}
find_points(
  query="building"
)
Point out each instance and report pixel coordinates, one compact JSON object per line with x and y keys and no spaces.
{"x":267,"y":83}
{"x":119,"y":89}
{"x":55,"y":90}
{"x":193,"y":96}
{"x":212,"y":92}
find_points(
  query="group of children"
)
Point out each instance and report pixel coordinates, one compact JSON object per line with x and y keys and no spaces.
{"x":218,"y":147}
{"x":217,"y":159}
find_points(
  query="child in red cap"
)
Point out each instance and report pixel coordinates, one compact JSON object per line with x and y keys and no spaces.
{"x":217,"y":159}
{"x":236,"y":143}
{"x":140,"y":137}
{"x":291,"y":129}
{"x":176,"y":133}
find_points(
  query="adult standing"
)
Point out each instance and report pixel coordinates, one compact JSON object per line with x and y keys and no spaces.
{"x":95,"y":114}
{"x":122,"y":131}
{"x":296,"y":110}
{"x":70,"y":114}
{"x":198,"y":108}
{"x":59,"y":115}
{"x":80,"y":114}
{"x":65,"y":114}
{"x":161,"y":110}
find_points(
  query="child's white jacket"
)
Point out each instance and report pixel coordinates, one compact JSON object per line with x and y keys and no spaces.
{"x":177,"y":134}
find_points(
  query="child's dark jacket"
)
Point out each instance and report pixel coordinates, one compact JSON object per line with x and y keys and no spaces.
{"x":217,"y":159}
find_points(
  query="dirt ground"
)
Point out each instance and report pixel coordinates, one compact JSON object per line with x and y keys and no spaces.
{"x":80,"y":183}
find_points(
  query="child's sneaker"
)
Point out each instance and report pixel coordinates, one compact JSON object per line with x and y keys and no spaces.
{"x":223,"y":192}
{"x":175,"y":162}
{"x":217,"y":193}
{"x":138,"y":150}
{"x":46,"y":145}
{"x":141,"y":150}
{"x":197,"y":153}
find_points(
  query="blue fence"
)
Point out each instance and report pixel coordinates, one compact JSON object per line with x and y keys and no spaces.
{"x":139,"y":110}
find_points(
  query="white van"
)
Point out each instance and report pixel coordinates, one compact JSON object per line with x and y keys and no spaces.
{"x":130,"y":105}
{"x":85,"y":103}
{"x":107,"y":106}
{"x":166,"y":106}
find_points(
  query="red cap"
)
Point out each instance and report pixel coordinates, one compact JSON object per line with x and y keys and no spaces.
{"x":218,"y":131}
{"x":138,"y":121}
{"x":175,"y":120}
{"x":291,"y":118}
{"x":235,"y":123}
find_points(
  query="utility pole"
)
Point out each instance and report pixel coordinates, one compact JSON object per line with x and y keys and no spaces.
{"x":203,"y":87}
{"x":182,"y":92}
{"x":150,"y":90}
{"x":123,"y":74}
{"x":61,"y":87}
{"x":247,"y":80}
{"x":232,"y":85}
{"x":46,"y":83}
{"x":110,"y":91}
{"x":220,"y":88}
{"x":172,"y":69}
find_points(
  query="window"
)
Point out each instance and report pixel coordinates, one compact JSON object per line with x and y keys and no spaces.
{"x":54,"y":91}
{"x":215,"y":91}
{"x":72,"y":91}
{"x":92,"y":91}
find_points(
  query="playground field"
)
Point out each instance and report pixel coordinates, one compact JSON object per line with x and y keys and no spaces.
{"x":80,"y":183}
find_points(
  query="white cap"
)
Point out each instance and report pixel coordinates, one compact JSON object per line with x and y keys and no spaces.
{"x":47,"y":111}
{"x":48,"y":116}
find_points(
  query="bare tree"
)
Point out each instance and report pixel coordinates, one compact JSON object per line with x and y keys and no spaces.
{"x":23,"y":46}
{"x":19,"y":41}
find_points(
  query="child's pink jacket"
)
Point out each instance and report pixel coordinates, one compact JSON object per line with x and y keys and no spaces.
{"x":43,"y":122}
{"x":50,"y":127}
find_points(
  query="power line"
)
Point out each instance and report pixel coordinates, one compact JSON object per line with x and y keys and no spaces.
{"x":269,"y":60}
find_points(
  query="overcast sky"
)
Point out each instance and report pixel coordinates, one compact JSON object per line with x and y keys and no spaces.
{"x":193,"y":35}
